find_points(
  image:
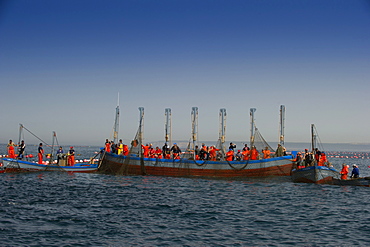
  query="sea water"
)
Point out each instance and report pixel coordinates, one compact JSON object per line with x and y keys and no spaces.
{"x":61,"y":209}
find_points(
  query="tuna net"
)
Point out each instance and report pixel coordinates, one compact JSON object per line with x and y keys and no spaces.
{"x":259,"y":142}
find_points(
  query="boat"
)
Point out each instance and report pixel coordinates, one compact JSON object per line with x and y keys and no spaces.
{"x":187,"y":165}
{"x":313,"y":171}
{"x":11,"y":165}
{"x":15,"y":165}
{"x":363,"y":181}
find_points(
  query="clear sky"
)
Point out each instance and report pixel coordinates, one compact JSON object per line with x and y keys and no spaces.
{"x":63,"y":63}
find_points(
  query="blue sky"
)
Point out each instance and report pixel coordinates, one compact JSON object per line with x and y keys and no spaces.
{"x":63,"y":63}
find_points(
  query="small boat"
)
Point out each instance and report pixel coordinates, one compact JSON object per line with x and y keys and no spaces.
{"x":19,"y":165}
{"x":314,"y":172}
{"x":134,"y":163}
{"x":15,"y":165}
{"x":364,"y":181}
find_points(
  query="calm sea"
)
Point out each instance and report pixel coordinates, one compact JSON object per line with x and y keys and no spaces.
{"x":60,"y":209}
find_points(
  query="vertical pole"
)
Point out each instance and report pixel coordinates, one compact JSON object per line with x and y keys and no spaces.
{"x":282,"y":125}
{"x":222,"y":128}
{"x":194,"y":127}
{"x":116,"y":124}
{"x":168,"y":126}
{"x":252,"y":111}
{"x":141,"y":125}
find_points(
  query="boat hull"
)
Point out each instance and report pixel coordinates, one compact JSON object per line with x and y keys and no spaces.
{"x":14,"y":165}
{"x":315,"y":174}
{"x":124,"y":165}
{"x":365,"y":182}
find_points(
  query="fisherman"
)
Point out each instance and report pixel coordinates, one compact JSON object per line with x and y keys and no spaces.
{"x":317,"y":154}
{"x":266,"y":153}
{"x":307,"y":158}
{"x":238,"y":155}
{"x":151,"y":151}
{"x":298,"y":160}
{"x":254,"y":153}
{"x":158,"y":153}
{"x":107,"y":146}
{"x":176,"y":151}
{"x":245,"y":147}
{"x":322,"y":160}
{"x":166,"y":150}
{"x":146,"y":150}
{"x":230,"y":155}
{"x":125,"y":150}
{"x":21,"y":148}
{"x":60,"y":153}
{"x":196,"y":151}
{"x":355,"y":171}
{"x":344,"y":172}
{"x":279,"y":151}
{"x":10,"y":147}
{"x":203,"y":153}
{"x":232,"y":146}
{"x":40,"y":153}
{"x":213,"y":152}
{"x":246,"y":154}
{"x":120,"y":147}
{"x":71,"y":156}
{"x":113,"y":147}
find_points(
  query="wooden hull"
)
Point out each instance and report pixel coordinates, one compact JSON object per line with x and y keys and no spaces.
{"x":365,"y":181}
{"x":14,"y":165}
{"x":122,"y":165}
{"x":315,"y":174}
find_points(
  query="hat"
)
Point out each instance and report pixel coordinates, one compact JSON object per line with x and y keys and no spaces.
{"x":70,"y":147}
{"x":175,"y":143}
{"x":354,"y":165}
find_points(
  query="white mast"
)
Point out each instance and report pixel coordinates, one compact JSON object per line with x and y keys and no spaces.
{"x":168,"y":126}
{"x":116,"y":123}
{"x":282,"y":125}
{"x":252,"y":111}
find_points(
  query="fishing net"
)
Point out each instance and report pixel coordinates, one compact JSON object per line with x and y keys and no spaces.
{"x":259,"y":142}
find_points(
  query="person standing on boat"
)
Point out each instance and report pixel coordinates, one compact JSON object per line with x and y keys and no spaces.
{"x":213,"y":152}
{"x":279,"y":151}
{"x":298,"y":160}
{"x":246,"y":153}
{"x":322,"y":160}
{"x":125,"y":150}
{"x":10,"y":148}
{"x":40,"y":154}
{"x":60,"y":153}
{"x":21,"y":148}
{"x":71,"y":156}
{"x":344,"y":172}
{"x":266,"y":153}
{"x":166,"y":151}
{"x":145,"y":150}
{"x":158,"y":153}
{"x":308,"y":158}
{"x":120,"y":147}
{"x":203,"y":153}
{"x":176,"y":151}
{"x":254,"y":153}
{"x":107,"y":146}
{"x":317,"y":154}
{"x":230,"y":155}
{"x":238,"y":155}
{"x":355,"y":171}
{"x":232,"y":146}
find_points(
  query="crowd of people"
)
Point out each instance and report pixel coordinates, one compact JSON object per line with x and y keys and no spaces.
{"x":70,"y":155}
{"x":319,"y":158}
{"x":200,"y":153}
